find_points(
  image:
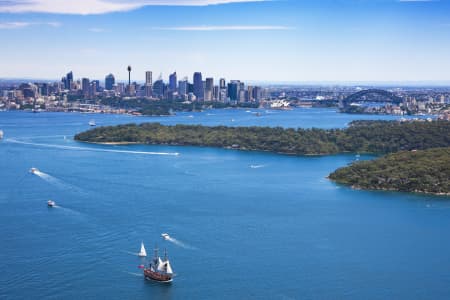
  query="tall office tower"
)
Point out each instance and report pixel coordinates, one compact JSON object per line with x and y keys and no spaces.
{"x":257,"y":93}
{"x":158,"y":88}
{"x":93,"y":88}
{"x":63,"y":81}
{"x":216,"y":93}
{"x":198,"y":86}
{"x":120,"y":89}
{"x":242,"y":96}
{"x":209,"y":87}
{"x":173,"y":82}
{"x":250,"y":93}
{"x":241,"y":85}
{"x":109,"y":82}
{"x":44,"y":89}
{"x":223,"y":83}
{"x":190,"y":88}
{"x":148,"y":88}
{"x":148,"y":78}
{"x":183,"y":87}
{"x":97,"y":85}
{"x":85,"y":86}
{"x":233,"y":90}
{"x":69,"y":81}
{"x":223,"y":95}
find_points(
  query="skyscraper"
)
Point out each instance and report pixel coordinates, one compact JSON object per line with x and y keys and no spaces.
{"x":233,"y":90}
{"x":69,"y":80}
{"x":183,"y":87}
{"x":148,"y":84}
{"x":85,"y":86}
{"x":109,"y":82}
{"x":198,"y":86}
{"x":158,"y":88}
{"x":209,"y":87}
{"x":148,"y":78}
{"x":222,"y":83}
{"x":173,"y":82}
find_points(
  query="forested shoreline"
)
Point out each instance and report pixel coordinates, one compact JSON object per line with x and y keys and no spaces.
{"x":422,"y":171}
{"x":360,"y":136}
{"x":378,"y":137}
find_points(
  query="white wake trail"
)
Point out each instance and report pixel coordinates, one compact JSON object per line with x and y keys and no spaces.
{"x":257,"y":166}
{"x":179,"y":243}
{"x":91,"y":149}
{"x":57,"y":182}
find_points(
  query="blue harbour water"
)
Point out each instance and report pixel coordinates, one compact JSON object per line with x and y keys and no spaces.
{"x":247,"y":224}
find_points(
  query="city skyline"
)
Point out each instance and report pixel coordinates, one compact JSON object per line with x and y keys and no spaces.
{"x":270,"y":41}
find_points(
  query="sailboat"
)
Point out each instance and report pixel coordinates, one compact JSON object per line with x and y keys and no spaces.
{"x":159,"y":269}
{"x":142,"y":253}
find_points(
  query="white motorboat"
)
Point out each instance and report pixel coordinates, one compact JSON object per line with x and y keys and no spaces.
{"x":51,"y":203}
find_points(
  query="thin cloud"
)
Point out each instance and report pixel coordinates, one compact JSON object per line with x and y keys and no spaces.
{"x":224,"y":28}
{"x":18,"y":25}
{"x":91,"y":7}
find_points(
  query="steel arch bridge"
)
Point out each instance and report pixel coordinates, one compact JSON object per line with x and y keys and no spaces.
{"x":376,"y":95}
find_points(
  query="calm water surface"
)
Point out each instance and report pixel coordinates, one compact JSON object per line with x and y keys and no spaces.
{"x":248,"y":225}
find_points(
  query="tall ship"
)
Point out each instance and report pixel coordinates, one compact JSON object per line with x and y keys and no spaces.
{"x":159,"y":269}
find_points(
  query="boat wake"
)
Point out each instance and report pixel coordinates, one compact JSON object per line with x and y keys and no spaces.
{"x":91,"y":149}
{"x":134,"y":274}
{"x":57,"y":182}
{"x":257,"y":166}
{"x":130,"y":253}
{"x":179,"y":243}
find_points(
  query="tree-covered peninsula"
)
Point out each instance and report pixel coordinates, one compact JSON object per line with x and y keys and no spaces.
{"x":360,"y":136}
{"x":424,"y":171}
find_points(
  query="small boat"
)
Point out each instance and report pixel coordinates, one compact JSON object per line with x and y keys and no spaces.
{"x":165,"y":236}
{"x":34,"y":170}
{"x":1,"y":134}
{"x":92,"y":123}
{"x":51,"y":203}
{"x":159,"y":269}
{"x":142,"y":253}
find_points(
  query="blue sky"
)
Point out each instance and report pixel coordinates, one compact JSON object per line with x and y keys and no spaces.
{"x":279,"y":40}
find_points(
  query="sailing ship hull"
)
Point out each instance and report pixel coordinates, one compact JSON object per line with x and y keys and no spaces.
{"x":151,"y":275}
